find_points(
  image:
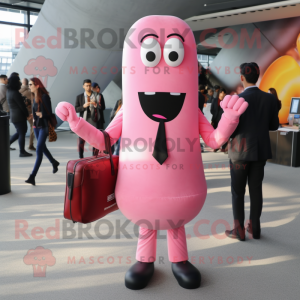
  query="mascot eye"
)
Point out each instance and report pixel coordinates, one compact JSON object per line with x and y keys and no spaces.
{"x":150,"y":52}
{"x":173,"y":52}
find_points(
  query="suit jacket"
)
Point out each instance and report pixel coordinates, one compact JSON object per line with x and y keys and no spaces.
{"x":80,"y":101}
{"x":216,"y":112}
{"x":17,"y":107}
{"x":251,"y":141}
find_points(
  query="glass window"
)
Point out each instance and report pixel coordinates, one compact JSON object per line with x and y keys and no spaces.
{"x":13,"y":15}
{"x":10,"y":44}
{"x":33,"y":17}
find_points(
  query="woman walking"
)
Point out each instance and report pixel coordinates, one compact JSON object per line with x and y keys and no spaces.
{"x":41,"y":110}
{"x":18,"y":113}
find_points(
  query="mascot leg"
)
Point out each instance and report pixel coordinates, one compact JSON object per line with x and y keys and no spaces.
{"x":186,"y":274}
{"x":139,"y":275}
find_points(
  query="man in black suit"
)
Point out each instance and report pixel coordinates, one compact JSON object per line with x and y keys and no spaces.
{"x":88,"y":105}
{"x":249,"y":149}
{"x":201,"y":97}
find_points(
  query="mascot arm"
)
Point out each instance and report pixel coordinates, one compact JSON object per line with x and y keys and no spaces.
{"x":95,"y":137}
{"x":215,"y":138}
{"x":233,"y":108}
{"x":66,"y":112}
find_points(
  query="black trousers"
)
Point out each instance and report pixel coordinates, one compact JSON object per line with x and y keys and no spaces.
{"x":242,"y":172}
{"x":81,"y":143}
{"x":21,"y":128}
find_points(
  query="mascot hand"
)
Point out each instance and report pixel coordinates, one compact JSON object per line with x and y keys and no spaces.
{"x":66,"y":112}
{"x":233,"y":107}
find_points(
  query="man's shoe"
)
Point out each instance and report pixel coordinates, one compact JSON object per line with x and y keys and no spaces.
{"x":25,"y":154}
{"x":187,"y":275}
{"x":216,"y":150}
{"x":139,"y":275}
{"x":12,"y":148}
{"x":223,"y":150}
{"x":32,"y":148}
{"x":55,"y":166}
{"x":256,"y":235}
{"x":31,"y":180}
{"x":236,"y":233}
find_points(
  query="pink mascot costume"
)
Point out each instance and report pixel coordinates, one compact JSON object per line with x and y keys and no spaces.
{"x":159,"y":185}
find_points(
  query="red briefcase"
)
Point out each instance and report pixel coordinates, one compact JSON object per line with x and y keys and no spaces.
{"x":90,"y":188}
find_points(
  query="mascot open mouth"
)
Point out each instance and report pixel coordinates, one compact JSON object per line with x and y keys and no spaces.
{"x":161,"y":106}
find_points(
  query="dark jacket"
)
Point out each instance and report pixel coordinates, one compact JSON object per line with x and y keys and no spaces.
{"x":201,"y":100}
{"x":216,"y":112}
{"x":279,"y":105}
{"x":202,"y":80}
{"x":80,"y":109}
{"x":17,"y":107}
{"x":42,"y":122}
{"x":251,"y":141}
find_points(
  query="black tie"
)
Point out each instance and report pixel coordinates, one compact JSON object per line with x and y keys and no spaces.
{"x":160,"y":152}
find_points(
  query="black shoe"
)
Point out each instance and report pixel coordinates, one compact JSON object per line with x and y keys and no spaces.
{"x":139,"y":275}
{"x":31,"y":180}
{"x":55,"y":166}
{"x":236,"y":233}
{"x":25,"y":154}
{"x":186,"y":274}
{"x":12,"y":148}
{"x":255,"y":235}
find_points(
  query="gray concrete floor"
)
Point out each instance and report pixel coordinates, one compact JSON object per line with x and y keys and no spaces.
{"x":94,"y":268}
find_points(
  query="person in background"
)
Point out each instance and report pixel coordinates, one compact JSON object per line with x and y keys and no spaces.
{"x":217,"y":111}
{"x":273,"y":92}
{"x":26,"y":93}
{"x":14,"y":74}
{"x":201,"y":75}
{"x":115,"y":149}
{"x":201,"y":97}
{"x":216,"y":91}
{"x":88,"y":105}
{"x":3,"y":89}
{"x":210,"y":95}
{"x":41,"y":110}
{"x":96,"y":89}
{"x":201,"y":101}
{"x":3,"y":102}
{"x":18,"y":113}
{"x":249,"y":149}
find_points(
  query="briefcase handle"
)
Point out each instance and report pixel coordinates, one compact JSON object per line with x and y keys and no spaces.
{"x":108,"y":150}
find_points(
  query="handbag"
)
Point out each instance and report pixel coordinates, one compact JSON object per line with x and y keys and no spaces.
{"x":90,"y":187}
{"x":52,"y":122}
